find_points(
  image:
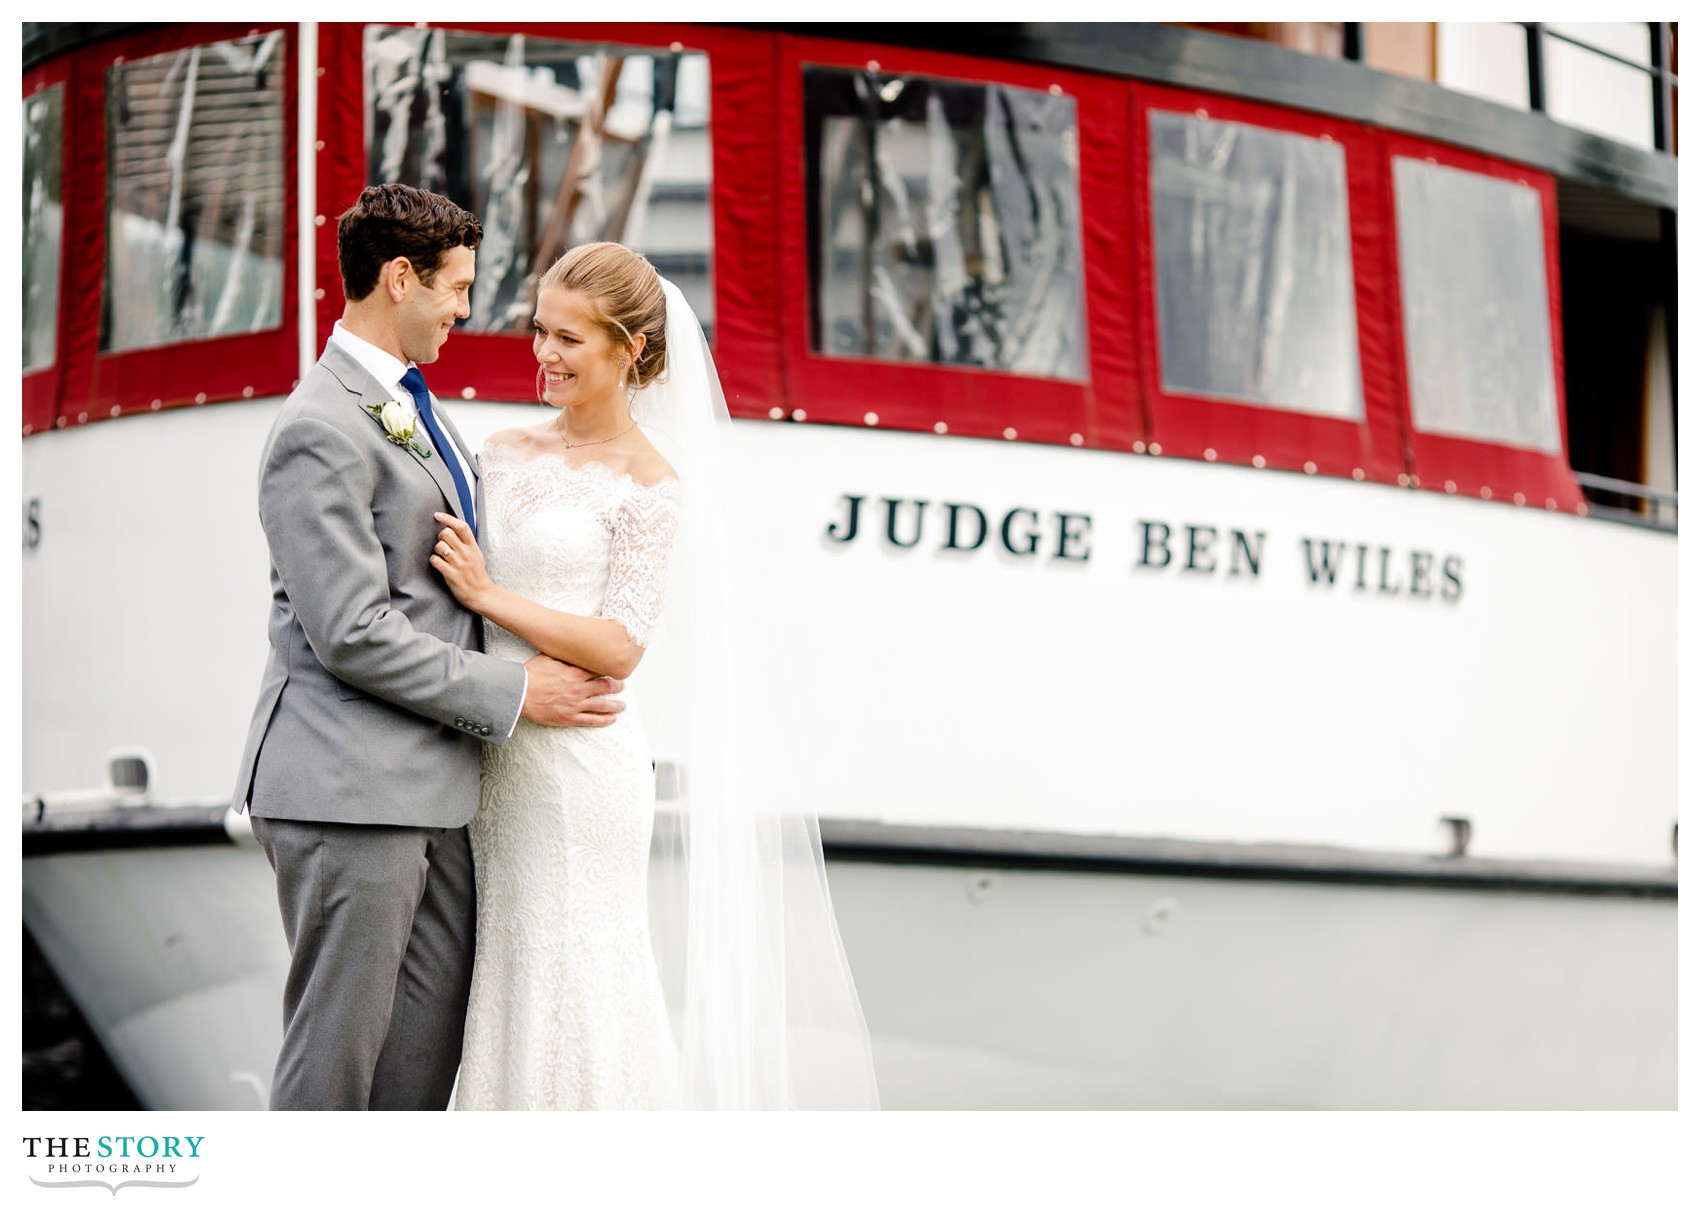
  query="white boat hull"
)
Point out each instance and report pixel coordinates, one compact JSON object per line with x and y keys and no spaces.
{"x":994,"y":987}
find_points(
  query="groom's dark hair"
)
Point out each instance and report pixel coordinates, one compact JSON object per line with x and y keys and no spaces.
{"x":390,"y":221}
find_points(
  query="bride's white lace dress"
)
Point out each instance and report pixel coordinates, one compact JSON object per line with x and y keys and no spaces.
{"x":567,"y":1008}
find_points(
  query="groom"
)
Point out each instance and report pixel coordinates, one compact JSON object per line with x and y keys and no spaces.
{"x":361,"y":766}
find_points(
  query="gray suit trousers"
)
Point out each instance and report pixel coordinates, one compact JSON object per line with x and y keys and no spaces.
{"x":380,"y":923}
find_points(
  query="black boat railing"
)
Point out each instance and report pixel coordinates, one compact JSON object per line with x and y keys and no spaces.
{"x":1627,"y":501}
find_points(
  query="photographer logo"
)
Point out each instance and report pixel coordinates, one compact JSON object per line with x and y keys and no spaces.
{"x":113,"y":1162}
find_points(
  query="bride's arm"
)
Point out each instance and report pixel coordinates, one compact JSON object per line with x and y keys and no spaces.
{"x":603,"y":646}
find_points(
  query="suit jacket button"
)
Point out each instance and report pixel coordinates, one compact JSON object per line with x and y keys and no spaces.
{"x":459,"y":722}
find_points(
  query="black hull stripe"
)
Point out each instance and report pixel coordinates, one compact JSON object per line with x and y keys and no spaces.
{"x":848,"y":841}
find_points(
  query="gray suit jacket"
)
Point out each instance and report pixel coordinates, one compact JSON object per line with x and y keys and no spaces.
{"x":376,"y":697}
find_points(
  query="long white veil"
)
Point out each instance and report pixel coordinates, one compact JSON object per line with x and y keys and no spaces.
{"x":764,"y":1009}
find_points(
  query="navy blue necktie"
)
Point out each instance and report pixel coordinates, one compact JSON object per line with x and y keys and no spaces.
{"x":415,"y":384}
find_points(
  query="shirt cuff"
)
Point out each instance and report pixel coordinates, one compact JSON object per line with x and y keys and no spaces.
{"x":524,"y":685}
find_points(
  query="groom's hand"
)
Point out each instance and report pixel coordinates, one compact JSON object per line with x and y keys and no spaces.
{"x":565,"y":696}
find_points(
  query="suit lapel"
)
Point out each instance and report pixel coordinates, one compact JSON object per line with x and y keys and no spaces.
{"x":369,"y":393}
{"x":469,"y":465}
{"x":448,"y":425}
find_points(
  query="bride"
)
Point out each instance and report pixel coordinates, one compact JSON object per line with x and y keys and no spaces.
{"x":589,"y":527}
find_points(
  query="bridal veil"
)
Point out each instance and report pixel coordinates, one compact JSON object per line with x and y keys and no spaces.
{"x":764,"y":1009}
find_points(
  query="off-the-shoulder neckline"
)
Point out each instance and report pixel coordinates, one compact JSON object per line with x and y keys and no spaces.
{"x":513,"y":454}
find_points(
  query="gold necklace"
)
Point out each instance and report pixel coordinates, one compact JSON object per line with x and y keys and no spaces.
{"x":598,"y":441}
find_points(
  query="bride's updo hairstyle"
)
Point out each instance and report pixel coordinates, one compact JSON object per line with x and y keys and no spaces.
{"x":625,"y":299}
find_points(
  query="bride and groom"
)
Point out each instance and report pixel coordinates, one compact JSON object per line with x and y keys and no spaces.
{"x":457,"y":806}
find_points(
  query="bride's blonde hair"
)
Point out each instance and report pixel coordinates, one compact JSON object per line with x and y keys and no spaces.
{"x":625,"y":299}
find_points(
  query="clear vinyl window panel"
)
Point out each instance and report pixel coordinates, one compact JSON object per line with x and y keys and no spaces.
{"x":1253,"y":255}
{"x":44,"y":124}
{"x":551,"y":144}
{"x":195,"y":194}
{"x":1597,"y":94}
{"x":1477,"y":315}
{"x":945,"y":223}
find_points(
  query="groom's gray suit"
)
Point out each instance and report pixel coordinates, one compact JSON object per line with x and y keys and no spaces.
{"x":361,"y":766}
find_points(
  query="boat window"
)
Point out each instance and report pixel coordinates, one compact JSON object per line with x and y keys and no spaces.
{"x":944,"y":222}
{"x":1589,"y":84}
{"x":195,"y":197}
{"x":1253,"y":258}
{"x":551,"y":144}
{"x":44,"y":117}
{"x":1476,"y":309}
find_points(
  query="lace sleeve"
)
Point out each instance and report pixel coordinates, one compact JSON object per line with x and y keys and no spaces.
{"x":644,"y":526}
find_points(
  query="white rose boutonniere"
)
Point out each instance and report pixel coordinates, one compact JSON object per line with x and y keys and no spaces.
{"x":399,"y":423}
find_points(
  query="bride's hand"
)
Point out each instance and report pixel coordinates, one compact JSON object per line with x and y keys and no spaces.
{"x":457,"y":557}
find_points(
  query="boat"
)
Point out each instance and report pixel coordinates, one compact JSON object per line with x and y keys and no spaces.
{"x":1215,"y":508}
